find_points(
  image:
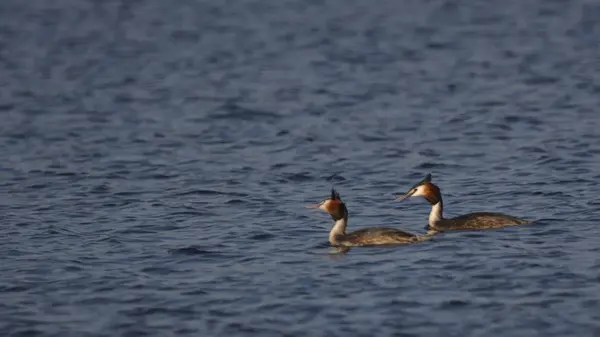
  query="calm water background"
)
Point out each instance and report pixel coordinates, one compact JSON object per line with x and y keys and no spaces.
{"x":156,"y":155}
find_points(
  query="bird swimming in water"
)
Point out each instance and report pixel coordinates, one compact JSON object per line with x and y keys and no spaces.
{"x":362,"y":237}
{"x":479,"y":220}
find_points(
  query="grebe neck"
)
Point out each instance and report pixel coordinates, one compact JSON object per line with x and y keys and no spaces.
{"x":436,"y":213}
{"x":339,"y":225}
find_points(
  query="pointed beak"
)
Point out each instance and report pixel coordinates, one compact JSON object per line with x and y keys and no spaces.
{"x":406,"y":196}
{"x":312,"y":206}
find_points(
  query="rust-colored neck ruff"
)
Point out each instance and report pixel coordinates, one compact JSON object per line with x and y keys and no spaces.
{"x":338,"y":211}
{"x":432,"y":193}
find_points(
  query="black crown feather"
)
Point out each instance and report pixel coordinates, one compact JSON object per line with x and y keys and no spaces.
{"x":335,"y":195}
{"x":425,"y":180}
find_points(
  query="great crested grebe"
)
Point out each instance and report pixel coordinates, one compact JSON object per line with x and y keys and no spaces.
{"x":362,"y":237}
{"x":478,"y":220}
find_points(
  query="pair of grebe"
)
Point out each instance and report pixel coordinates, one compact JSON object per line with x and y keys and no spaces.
{"x":386,"y":236}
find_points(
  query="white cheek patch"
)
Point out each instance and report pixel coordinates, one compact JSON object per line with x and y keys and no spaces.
{"x":419,"y":192}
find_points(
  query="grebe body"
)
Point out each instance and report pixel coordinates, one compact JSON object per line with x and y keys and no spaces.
{"x":472,"y":221}
{"x":362,"y":237}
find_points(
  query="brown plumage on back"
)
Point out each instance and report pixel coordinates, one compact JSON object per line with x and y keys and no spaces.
{"x":479,"y":220}
{"x":379,"y":236}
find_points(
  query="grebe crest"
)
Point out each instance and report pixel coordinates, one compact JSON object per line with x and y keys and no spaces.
{"x":479,"y":220}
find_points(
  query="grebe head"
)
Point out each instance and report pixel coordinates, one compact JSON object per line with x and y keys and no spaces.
{"x":333,"y":205}
{"x":424,"y":188}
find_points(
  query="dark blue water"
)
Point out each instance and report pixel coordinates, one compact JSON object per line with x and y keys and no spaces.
{"x":156,"y":155}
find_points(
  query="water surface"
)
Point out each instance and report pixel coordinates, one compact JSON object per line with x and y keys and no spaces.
{"x":156,"y":158}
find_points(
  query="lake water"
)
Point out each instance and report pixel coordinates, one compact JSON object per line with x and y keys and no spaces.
{"x":156,"y":157}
